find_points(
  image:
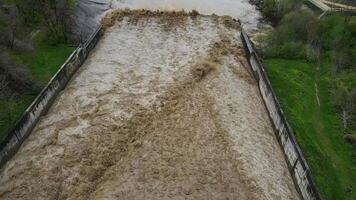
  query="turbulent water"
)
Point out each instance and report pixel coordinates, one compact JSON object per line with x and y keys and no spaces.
{"x":239,"y":9}
{"x":164,"y":108}
{"x":89,"y":12}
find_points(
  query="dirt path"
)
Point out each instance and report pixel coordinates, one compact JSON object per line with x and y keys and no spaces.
{"x":163,"y":109}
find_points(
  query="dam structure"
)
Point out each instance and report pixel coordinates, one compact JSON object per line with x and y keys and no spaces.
{"x":155,"y":105}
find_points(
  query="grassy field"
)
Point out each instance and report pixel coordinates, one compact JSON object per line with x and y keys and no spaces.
{"x":43,"y":64}
{"x":318,"y":130}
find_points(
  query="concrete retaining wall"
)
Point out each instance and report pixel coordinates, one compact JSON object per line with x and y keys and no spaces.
{"x":297,"y":164}
{"x":41,"y":104}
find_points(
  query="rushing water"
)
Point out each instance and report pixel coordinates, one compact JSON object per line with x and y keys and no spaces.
{"x":89,"y":12}
{"x":240,"y":9}
{"x":163,"y":108}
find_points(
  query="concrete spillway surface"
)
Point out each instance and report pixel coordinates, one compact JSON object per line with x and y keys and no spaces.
{"x":164,"y":108}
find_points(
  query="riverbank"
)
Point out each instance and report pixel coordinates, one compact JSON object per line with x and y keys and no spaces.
{"x":30,"y":54}
{"x":42,"y":64}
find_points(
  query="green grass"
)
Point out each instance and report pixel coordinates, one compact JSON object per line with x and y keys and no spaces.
{"x":11,"y":110}
{"x":317,"y":128}
{"x":45,"y":62}
{"x":42,"y":64}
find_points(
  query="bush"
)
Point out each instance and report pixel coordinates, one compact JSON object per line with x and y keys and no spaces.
{"x":344,"y":99}
{"x":274,"y":10}
{"x":17,"y":77}
{"x":293,"y":50}
{"x":289,"y":38}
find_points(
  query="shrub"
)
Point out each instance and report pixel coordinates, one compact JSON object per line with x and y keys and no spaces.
{"x":287,"y":50}
{"x":274,"y":10}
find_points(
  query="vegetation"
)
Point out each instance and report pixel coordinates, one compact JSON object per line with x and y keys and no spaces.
{"x":317,"y":127}
{"x":274,"y":10}
{"x":312,"y":63}
{"x":53,"y":14}
{"x":33,"y":45}
{"x":11,"y":110}
{"x":44,"y":63}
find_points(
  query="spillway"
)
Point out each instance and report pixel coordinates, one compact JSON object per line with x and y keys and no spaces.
{"x":164,"y":108}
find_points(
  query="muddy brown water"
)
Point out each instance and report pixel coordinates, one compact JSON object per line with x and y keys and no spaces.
{"x":89,"y":12}
{"x":159,"y":110}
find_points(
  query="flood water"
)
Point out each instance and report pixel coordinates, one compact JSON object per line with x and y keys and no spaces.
{"x":163,"y":108}
{"x":89,"y":12}
{"x":239,"y":9}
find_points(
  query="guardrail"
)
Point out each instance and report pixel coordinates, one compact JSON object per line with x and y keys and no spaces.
{"x":44,"y":100}
{"x":321,"y":5}
{"x":297,"y":164}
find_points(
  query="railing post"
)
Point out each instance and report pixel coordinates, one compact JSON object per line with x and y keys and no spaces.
{"x":295,"y":164}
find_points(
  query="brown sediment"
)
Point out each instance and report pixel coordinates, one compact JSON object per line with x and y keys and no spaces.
{"x":170,"y":17}
{"x":224,"y":47}
{"x":230,"y":22}
{"x":166,"y":146}
{"x":201,"y":69}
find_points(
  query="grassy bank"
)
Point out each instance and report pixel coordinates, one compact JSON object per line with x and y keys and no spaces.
{"x":304,"y":93}
{"x":47,"y":59}
{"x":42,"y":64}
{"x":11,"y":110}
{"x":34,"y":37}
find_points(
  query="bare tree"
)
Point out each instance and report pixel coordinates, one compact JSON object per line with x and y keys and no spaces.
{"x":345,"y":101}
{"x":54,"y":14}
{"x":8,"y":24}
{"x":3,"y":83}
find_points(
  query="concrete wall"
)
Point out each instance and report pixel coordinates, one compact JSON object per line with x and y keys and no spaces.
{"x":40,"y":105}
{"x":297,"y":164}
{"x":86,"y":16}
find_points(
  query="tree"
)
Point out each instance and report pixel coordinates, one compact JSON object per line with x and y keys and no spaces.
{"x":274,"y":10}
{"x":8,"y":24}
{"x":344,"y":98}
{"x":53,"y":14}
